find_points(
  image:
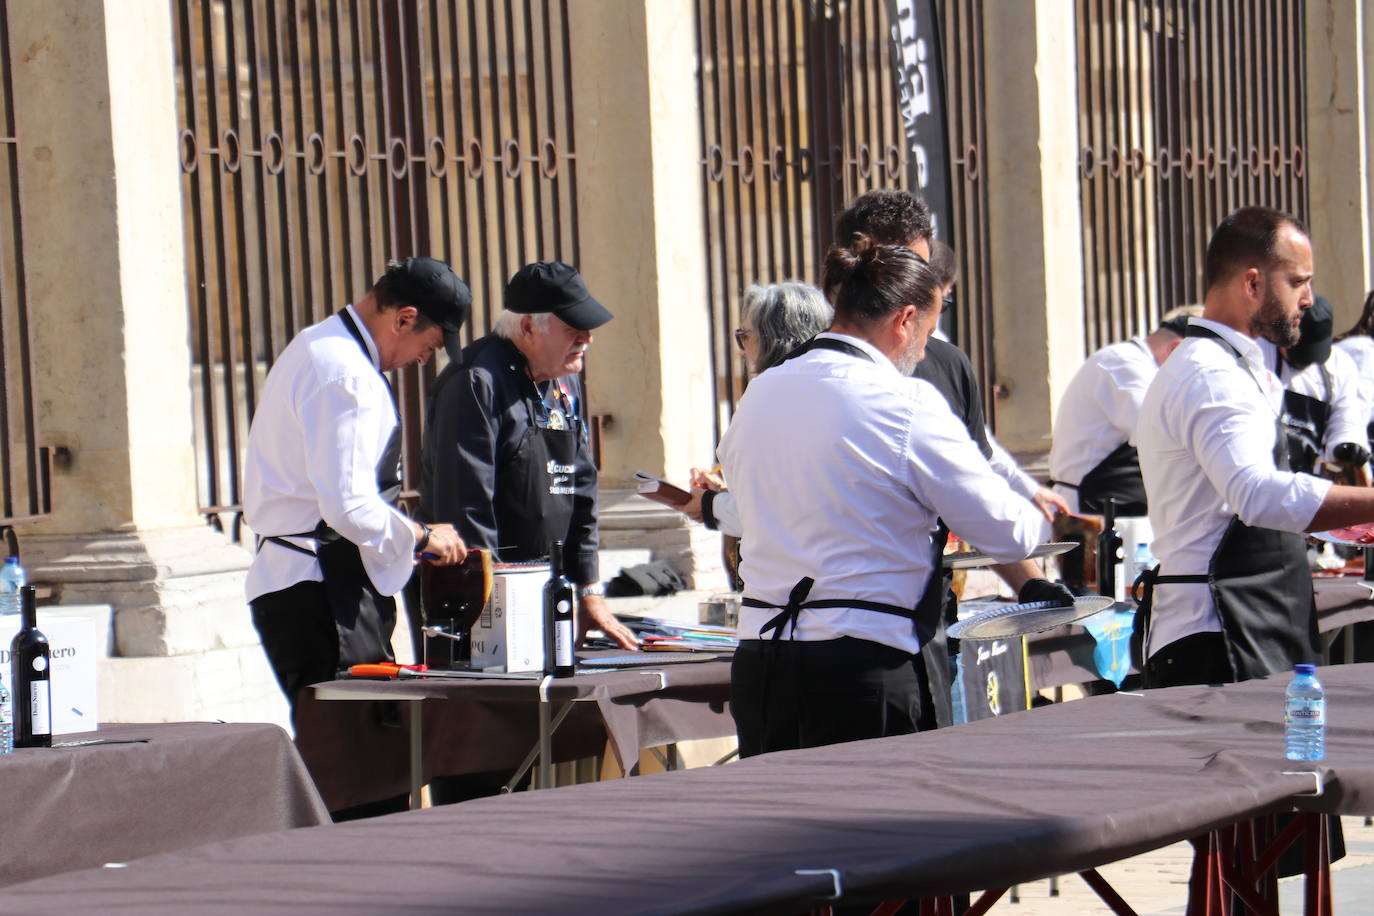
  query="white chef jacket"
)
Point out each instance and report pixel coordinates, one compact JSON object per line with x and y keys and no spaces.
{"x":1098,"y":411}
{"x":1204,"y":413}
{"x":320,"y":430}
{"x":1349,"y":403}
{"x":1360,"y":349}
{"x":839,"y":467}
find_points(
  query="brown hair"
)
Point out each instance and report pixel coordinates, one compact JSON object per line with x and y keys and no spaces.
{"x":867,"y":280}
{"x":1245,"y":239}
{"x":1365,"y":326}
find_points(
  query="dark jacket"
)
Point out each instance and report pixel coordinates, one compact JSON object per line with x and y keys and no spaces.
{"x":478,"y":412}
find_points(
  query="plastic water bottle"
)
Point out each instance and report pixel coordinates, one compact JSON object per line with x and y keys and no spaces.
{"x":1304,"y":716}
{"x":12,"y":579}
{"x":1143,"y":558}
{"x":6,"y":720}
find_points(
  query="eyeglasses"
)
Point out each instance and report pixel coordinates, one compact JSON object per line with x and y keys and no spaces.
{"x":741,"y":335}
{"x":947,"y":303}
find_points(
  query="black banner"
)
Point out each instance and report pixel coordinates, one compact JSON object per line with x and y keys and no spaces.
{"x":921,"y":98}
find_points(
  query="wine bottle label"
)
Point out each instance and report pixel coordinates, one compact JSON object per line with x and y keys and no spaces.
{"x":563,"y":642}
{"x":40,"y":708}
{"x":1304,"y":712}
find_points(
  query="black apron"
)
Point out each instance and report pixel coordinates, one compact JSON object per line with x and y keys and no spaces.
{"x":1260,"y":584}
{"x":1305,"y":421}
{"x":932,"y":663}
{"x":535,"y":487}
{"x":363,"y":616}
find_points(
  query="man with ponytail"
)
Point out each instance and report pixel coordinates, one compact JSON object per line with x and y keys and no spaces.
{"x":841,"y":465}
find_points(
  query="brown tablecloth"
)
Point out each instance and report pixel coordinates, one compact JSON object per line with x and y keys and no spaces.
{"x":358,"y":750}
{"x":987,"y":804}
{"x":173,"y":786}
{"x":1065,"y":655}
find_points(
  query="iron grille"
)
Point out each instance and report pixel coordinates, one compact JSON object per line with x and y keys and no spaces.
{"x":24,"y":469}
{"x":1187,"y":111}
{"x":319,"y":138}
{"x":799,"y":116}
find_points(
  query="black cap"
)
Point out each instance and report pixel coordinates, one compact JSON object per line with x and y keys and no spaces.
{"x":551,"y":286}
{"x":432,"y":288}
{"x":1315,"y":330}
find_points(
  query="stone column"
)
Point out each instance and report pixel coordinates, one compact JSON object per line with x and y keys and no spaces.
{"x":94,"y":101}
{"x":1034,"y":217}
{"x":1339,"y":39}
{"x":643,"y":254}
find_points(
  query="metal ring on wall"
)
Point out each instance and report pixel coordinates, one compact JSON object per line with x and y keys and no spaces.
{"x":274,"y":158}
{"x":314,"y":158}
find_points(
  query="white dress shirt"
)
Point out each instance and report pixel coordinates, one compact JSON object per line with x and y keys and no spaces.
{"x":839,"y":467}
{"x":1206,"y":438}
{"x":1360,"y":349}
{"x":1099,"y":410}
{"x":1349,"y":403}
{"x":320,"y":430}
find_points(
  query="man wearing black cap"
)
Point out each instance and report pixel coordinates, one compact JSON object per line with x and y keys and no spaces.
{"x":506,"y":454}
{"x":1325,"y":408}
{"x":1093,"y":455}
{"x":323,"y":471}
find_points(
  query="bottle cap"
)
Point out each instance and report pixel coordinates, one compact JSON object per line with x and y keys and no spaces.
{"x":1305,"y":669}
{"x":14,"y":560}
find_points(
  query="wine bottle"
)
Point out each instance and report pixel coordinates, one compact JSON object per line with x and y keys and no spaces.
{"x":29,"y":669}
{"x":559,"y":617}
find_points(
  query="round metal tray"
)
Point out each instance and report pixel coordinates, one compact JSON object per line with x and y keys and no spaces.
{"x":973,"y":559}
{"x":1031,"y":617}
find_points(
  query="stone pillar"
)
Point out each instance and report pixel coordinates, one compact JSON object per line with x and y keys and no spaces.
{"x":94,"y":101}
{"x":1339,"y":39}
{"x":1035,"y":223}
{"x":643,"y":253}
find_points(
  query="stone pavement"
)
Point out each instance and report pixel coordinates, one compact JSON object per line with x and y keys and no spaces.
{"x":1156,"y":884}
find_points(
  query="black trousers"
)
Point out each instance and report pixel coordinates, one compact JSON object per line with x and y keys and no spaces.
{"x":298,"y":634}
{"x":788,"y":694}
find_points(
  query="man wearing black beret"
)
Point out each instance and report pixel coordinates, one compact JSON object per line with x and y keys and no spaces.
{"x":322,"y":473}
{"x":506,"y":453}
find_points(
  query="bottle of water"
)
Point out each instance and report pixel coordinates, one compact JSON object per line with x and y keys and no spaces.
{"x":1304,"y":716}
{"x":1143,"y":558}
{"x":12,"y":579}
{"x":6,"y":720}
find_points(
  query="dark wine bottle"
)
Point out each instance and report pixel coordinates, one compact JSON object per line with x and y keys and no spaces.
{"x":560,"y":629}
{"x":29,"y":669}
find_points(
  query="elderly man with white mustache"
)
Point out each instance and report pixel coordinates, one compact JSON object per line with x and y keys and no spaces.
{"x":506,"y":453}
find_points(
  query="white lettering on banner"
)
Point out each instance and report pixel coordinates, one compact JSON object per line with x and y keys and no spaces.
{"x":555,"y":468}
{"x":913,"y":83}
{"x":985,"y":653}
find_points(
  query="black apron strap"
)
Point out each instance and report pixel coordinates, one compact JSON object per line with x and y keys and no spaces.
{"x":829,"y":343}
{"x":796,"y":603}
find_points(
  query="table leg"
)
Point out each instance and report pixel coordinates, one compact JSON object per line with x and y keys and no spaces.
{"x":417,"y":754}
{"x":545,"y":744}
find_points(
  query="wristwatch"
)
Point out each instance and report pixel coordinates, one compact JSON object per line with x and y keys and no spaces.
{"x":596,"y":588}
{"x":423,"y":542}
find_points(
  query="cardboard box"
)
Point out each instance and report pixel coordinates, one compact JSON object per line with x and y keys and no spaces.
{"x":75,"y":644}
{"x":510,"y":633}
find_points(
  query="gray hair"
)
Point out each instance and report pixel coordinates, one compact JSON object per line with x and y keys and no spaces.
{"x":507,"y":324}
{"x":784,"y":316}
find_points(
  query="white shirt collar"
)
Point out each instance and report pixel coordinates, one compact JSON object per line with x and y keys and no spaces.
{"x":1244,"y":343}
{"x":367,"y":337}
{"x":879,"y":356}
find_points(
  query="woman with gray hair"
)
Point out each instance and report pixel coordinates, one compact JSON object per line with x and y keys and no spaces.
{"x":774,"y":321}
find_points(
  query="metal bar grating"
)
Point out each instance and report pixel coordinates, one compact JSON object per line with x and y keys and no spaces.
{"x":318,"y":139}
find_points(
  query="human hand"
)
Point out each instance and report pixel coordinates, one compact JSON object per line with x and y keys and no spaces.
{"x":445,"y":547}
{"x":1351,"y":454}
{"x":692,"y":508}
{"x":707,"y":480}
{"x":1045,"y":590}
{"x":596,"y":614}
{"x":1050,"y":503}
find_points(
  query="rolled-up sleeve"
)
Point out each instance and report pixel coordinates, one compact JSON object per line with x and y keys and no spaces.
{"x":1232,"y":434}
{"x":347,"y":426}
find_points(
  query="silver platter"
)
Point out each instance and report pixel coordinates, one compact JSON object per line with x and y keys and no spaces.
{"x":976,"y":558}
{"x":1031,"y":617}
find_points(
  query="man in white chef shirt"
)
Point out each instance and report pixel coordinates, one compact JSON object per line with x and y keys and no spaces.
{"x":322,"y":473}
{"x":840,"y":466}
{"x":1233,"y":598}
{"x":1325,"y":402}
{"x":1093,"y":455}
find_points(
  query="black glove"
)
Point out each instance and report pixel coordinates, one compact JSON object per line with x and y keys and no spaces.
{"x":1350,"y":454}
{"x":1045,"y":590}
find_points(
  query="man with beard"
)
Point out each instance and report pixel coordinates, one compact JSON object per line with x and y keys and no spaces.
{"x":506,"y":455}
{"x":841,"y":466}
{"x":1232,"y":597}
